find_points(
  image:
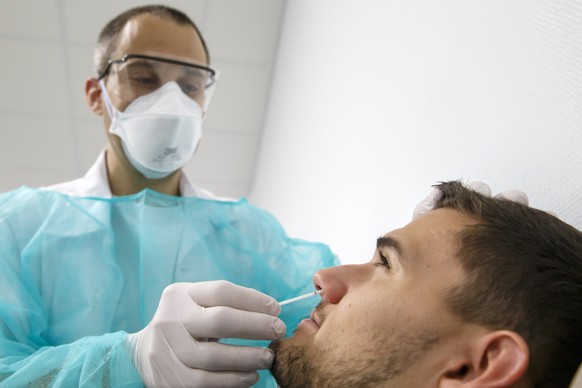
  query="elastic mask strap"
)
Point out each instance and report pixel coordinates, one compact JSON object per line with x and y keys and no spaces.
{"x":108,"y":104}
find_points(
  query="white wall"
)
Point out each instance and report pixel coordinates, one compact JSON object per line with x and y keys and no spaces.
{"x":374,"y":101}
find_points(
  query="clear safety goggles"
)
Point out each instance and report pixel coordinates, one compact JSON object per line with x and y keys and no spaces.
{"x":139,"y":74}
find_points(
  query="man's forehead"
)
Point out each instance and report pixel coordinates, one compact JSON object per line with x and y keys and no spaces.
{"x":443,"y":219}
{"x":147,"y":33}
{"x":432,"y":237}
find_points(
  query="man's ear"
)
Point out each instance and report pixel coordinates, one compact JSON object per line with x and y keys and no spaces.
{"x":93,"y":96}
{"x":497,"y":359}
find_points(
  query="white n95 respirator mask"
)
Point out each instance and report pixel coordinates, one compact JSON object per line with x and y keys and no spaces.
{"x":159,"y":131}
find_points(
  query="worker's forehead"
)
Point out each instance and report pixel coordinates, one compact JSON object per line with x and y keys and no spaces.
{"x":149,"y":33}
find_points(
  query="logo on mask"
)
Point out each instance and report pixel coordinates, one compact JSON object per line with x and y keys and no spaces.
{"x":169,"y":155}
{"x":170,"y":151}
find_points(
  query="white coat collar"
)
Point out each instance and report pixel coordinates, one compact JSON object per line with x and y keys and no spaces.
{"x":96,"y":184}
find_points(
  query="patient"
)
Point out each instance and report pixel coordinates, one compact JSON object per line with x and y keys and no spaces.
{"x":480,"y":292}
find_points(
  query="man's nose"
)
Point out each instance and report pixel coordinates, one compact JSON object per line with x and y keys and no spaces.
{"x":337,"y":281}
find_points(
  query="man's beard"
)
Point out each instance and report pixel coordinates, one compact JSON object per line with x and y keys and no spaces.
{"x":291,"y":367}
{"x":302,"y":365}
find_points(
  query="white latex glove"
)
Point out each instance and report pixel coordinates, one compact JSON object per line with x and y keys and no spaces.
{"x":178,"y":347}
{"x":427,"y":204}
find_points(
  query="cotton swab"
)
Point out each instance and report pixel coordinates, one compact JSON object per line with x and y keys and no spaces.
{"x":308,"y":295}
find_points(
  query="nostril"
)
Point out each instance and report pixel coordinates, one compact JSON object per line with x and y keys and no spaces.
{"x":333,"y":282}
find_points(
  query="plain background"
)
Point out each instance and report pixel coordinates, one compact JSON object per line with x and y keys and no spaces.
{"x":335,"y":115}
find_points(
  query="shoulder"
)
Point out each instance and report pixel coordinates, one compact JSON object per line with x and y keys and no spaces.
{"x":70,"y":187}
{"x":93,"y":184}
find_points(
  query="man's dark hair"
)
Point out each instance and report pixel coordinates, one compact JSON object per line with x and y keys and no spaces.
{"x":524,"y":273}
{"x":108,"y":38}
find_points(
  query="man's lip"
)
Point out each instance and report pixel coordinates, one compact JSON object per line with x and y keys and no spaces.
{"x":315,"y":318}
{"x":308,"y":324}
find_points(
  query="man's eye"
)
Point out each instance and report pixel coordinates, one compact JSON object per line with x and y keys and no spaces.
{"x":383,"y":261}
{"x":190,"y":89}
{"x":146,"y":81}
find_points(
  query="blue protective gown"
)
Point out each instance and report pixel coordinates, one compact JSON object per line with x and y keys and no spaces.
{"x":78,"y":274}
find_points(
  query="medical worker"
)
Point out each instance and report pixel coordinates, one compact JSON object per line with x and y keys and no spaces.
{"x":125,"y":276}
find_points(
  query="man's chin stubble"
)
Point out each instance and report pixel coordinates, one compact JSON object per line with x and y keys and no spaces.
{"x":291,"y":365}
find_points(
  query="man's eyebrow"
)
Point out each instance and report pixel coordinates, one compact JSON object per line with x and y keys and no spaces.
{"x":140,"y":63}
{"x":389,"y":242}
{"x":194,"y":73}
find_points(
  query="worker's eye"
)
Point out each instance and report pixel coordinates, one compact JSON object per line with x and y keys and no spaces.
{"x":383,"y":260}
{"x":191,"y":87}
{"x":144,"y":80}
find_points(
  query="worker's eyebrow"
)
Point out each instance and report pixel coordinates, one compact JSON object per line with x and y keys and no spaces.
{"x":136,"y":64}
{"x":389,"y":242}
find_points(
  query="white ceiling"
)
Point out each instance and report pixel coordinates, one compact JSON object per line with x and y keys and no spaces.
{"x":48,"y":135}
